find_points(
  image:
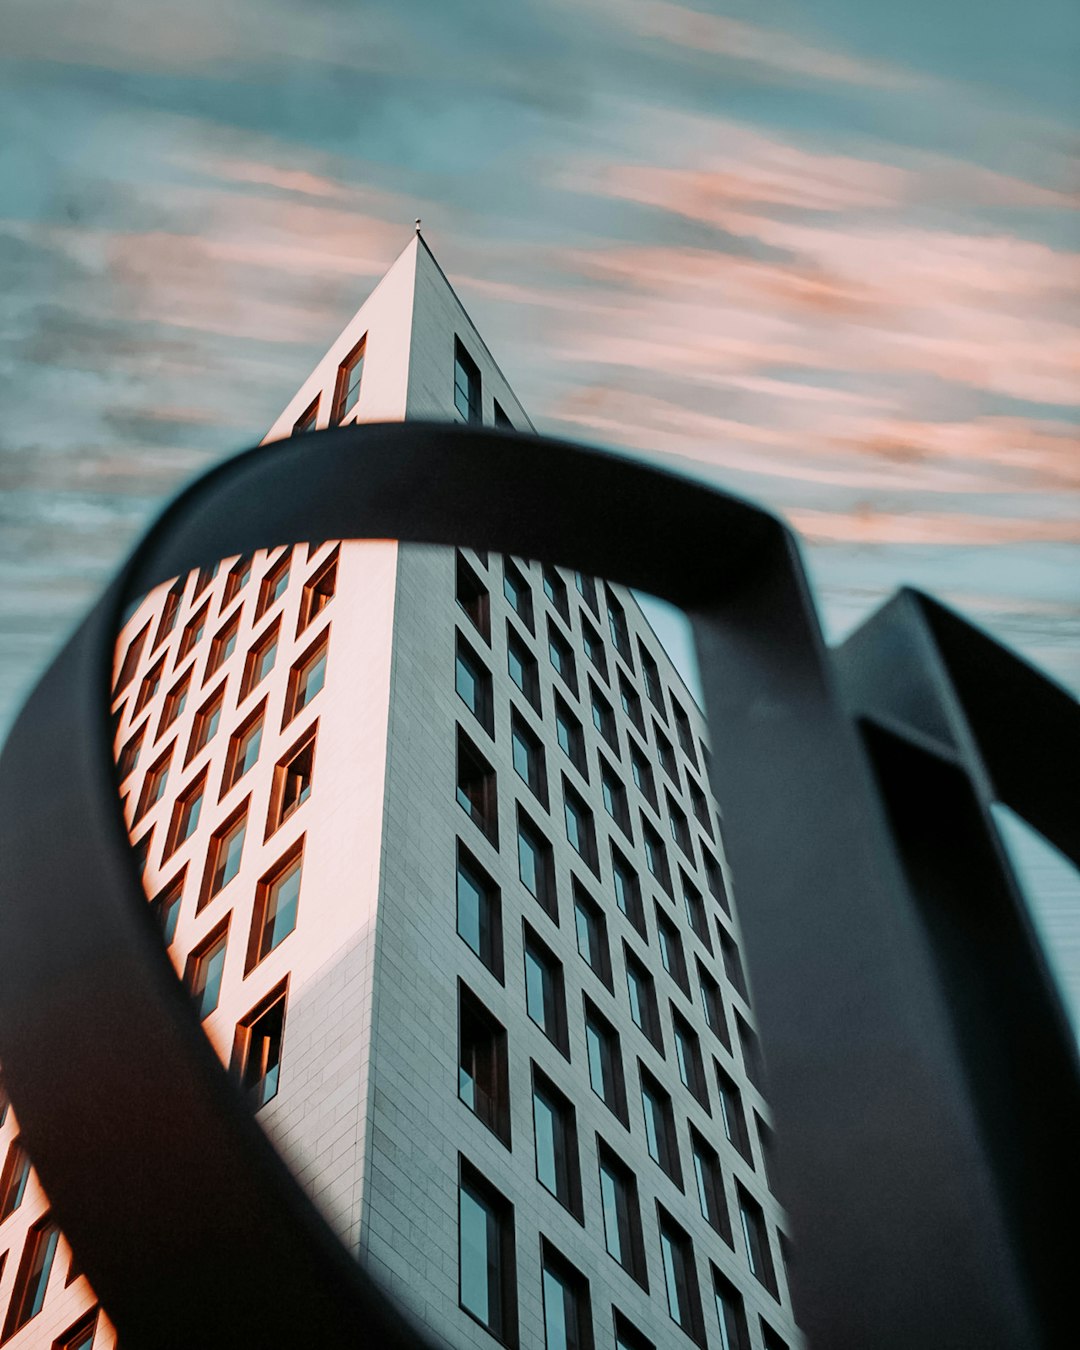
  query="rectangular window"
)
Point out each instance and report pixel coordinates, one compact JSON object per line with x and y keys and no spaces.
{"x":594,"y":647}
{"x":659,"y":1126}
{"x":729,"y":950}
{"x":483,"y":1077}
{"x":522,"y":667}
{"x":695,"y":911}
{"x":665,"y":753}
{"x":166,"y":907}
{"x":467,"y":398}
{"x":671,"y":951}
{"x":536,"y":866}
{"x":274,"y":585}
{"x":679,"y":826}
{"x":308,"y":419}
{"x":555,"y":590}
{"x":555,"y":1136}
{"x":732,"y":1114}
{"x":603,"y":716}
{"x":223,"y":856}
{"x":580,"y":830}
{"x":318,"y":592}
{"x":257,"y":1049}
{"x":641,"y":990}
{"x":655,"y":855}
{"x":244,"y":745}
{"x":477,"y":794}
{"x":306,"y":679}
{"x":567,"y":1309}
{"x":487,"y":1279}
{"x":277,"y":899}
{"x":616,"y":803}
{"x":473,"y":597}
{"x":155,"y":782}
{"x":730,"y":1314}
{"x":688,"y":1057}
{"x":680,"y":1277}
{"x":751,"y":1051}
{"x":292,"y":781}
{"x":205,"y":967}
{"x":586,"y":586}
{"x":545,"y":995}
{"x":683,"y":731}
{"x":631,"y":703}
{"x":712,"y":1004}
{"x":15,"y":1176}
{"x":605,"y":1060}
{"x":150,"y":685}
{"x":32,"y":1279}
{"x":479,"y":912}
{"x":590,"y":927}
{"x":260,"y":659}
{"x":193,"y":632}
{"x":472,"y":682}
{"x":621,"y":1213}
{"x":755,"y":1238}
{"x":528,"y":756}
{"x":347,"y":387}
{"x":570,"y":736}
{"x":715,"y":878}
{"x":700,"y":805}
{"x":130,"y":663}
{"x":222,"y":646}
{"x":519,"y":593}
{"x":628,"y":891}
{"x":562,"y":657}
{"x":710,"y":1185}
{"x":620,"y":636}
{"x":238,"y":578}
{"x":186,"y":812}
{"x":205,"y":725}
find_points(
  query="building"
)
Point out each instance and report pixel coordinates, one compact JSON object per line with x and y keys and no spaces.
{"x":429,"y":837}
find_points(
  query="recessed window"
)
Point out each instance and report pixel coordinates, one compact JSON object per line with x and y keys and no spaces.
{"x":729,"y":950}
{"x":631,"y":703}
{"x":731,"y":1113}
{"x":545,"y":996}
{"x":621,"y":1213}
{"x":679,"y":826}
{"x":570,"y":736}
{"x":223,"y":856}
{"x":129,"y":755}
{"x":479,"y":912}
{"x":605,"y":1060}
{"x":527,"y":754}
{"x":238,"y":578}
{"x":712,"y":1004}
{"x":555,"y":1137}
{"x":536,"y":866}
{"x":580,"y":830}
{"x":768,"y":1161}
{"x":222,"y":646}
{"x":521,"y":664}
{"x":477,"y":793}
{"x":671,"y":951}
{"x":730,"y":1313}
{"x":603,"y":716}
{"x":684,"y":733}
{"x":594,"y":647}
{"x":613,"y":791}
{"x":32,"y":1279}
{"x":472,"y":681}
{"x":257,"y":1049}
{"x":274,"y":584}
{"x":130,"y":663}
{"x":205,"y":725}
{"x":620,"y":636}
{"x":555,"y":590}
{"x":81,"y":1335}
{"x":627,"y":1336}
{"x":292,"y":782}
{"x":751,"y":1051}
{"x":472,"y":596}
{"x":680,"y":1277}
{"x":518,"y":592}
{"x":688,"y":1057}
{"x":13,"y":1181}
{"x":659,"y":1126}
{"x":205,"y":967}
{"x":642,"y":773}
{"x":770,"y":1339}
{"x":186,"y":813}
{"x":655,"y":855}
{"x":665,"y":753}
{"x":173,"y":597}
{"x":709,"y":1178}
{"x":244,"y":746}
{"x":483,"y":1077}
{"x":586,"y":587}
{"x":700,"y":806}
{"x":562,"y":657}
{"x":141,"y":850}
{"x":755,"y":1238}
{"x":467,"y":398}
{"x":308,"y":419}
{"x":628,"y":891}
{"x":487,"y":1279}
{"x":567,"y":1308}
{"x":318,"y":592}
{"x":501,"y":419}
{"x":260,"y":660}
{"x":155,"y":782}
{"x":193,"y":632}
{"x":166,"y":908}
{"x":590,"y":927}
{"x":347,"y":385}
{"x":203,"y":578}
{"x":650,"y":673}
{"x":175,"y":702}
{"x":641,"y":990}
{"x":306,"y":679}
{"x":715,"y":878}
{"x":276,"y":902}
{"x":695,"y":910}
{"x":150,"y":685}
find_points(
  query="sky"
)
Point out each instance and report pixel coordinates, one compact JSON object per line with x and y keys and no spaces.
{"x":824,"y":254}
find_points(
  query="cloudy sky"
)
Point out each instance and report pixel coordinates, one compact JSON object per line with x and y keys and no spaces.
{"x":826,"y":252}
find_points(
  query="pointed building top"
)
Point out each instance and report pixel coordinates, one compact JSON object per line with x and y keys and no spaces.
{"x":417,"y":224}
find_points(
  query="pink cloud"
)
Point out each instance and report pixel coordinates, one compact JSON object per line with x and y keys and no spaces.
{"x":868,"y":526}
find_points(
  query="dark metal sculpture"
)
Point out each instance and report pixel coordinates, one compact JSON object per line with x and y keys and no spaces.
{"x":922,"y":1073}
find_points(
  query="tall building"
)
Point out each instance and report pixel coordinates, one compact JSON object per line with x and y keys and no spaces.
{"x":430,"y":840}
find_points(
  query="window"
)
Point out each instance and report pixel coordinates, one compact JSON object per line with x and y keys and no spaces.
{"x":81,"y":1335}
{"x":686,"y":736}
{"x":166,"y":908}
{"x":755,"y":1238}
{"x":260,"y":660}
{"x":614,"y":793}
{"x":562,"y":657}
{"x":157,"y":777}
{"x":579,"y":826}
{"x":170,"y":610}
{"x":186,"y":812}
{"x":751,"y":1051}
{"x":13,"y":1181}
{"x":483,"y":1077}
{"x":710,"y":1185}
{"x":768,"y":1157}
{"x":688,"y":1057}
{"x":244,"y":748}
{"x":729,"y":950}
{"x":570,"y":736}
{"x":555,"y":1135}
{"x":590,"y":927}
{"x":715,"y":878}
{"x":680,"y":1277}
{"x":536,"y":867}
{"x":205,"y":725}
{"x":655,"y":855}
{"x":487,"y":1279}
{"x":695,"y":910}
{"x":641,"y":990}
{"x":203,"y":578}
{"x":306,"y":678}
{"x":308,"y":419}
{"x":731,"y":1113}
{"x":222,"y":646}
{"x":276,"y":901}
{"x":479,"y":912}
{"x":628,"y":891}
{"x":223,"y":855}
{"x":257,"y":1049}
{"x":555,"y":590}
{"x":631,"y":703}
{"x":32,"y":1279}
{"x":627,"y":1336}
{"x":129,"y":755}
{"x":659,"y":1126}
{"x":665,"y":753}
{"x":700,"y":806}
{"x":522,"y":667}
{"x":770,"y":1339}
{"x":501,"y":419}
{"x":274,"y":585}
{"x":318,"y":592}
{"x":150,"y":685}
{"x":130,"y":663}
{"x":620,"y":637}
{"x":347,"y":387}
{"x":650,"y":673}
{"x":586,"y":586}
{"x":528,"y":756}
{"x":476,"y":789}
{"x":567,"y":1309}
{"x":545,"y":996}
{"x":175,"y":701}
{"x":671,"y":951}
{"x":730,"y":1313}
{"x":603,"y":716}
{"x":621,"y":1213}
{"x":292,"y":781}
{"x":141,"y":850}
{"x":712,"y":1004}
{"x":519,"y":593}
{"x":467,"y":398}
{"x":205,"y":966}
{"x":605,"y":1060}
{"x":238,"y":578}
{"x":473,"y":598}
{"x":193,"y":632}
{"x":679,"y":826}
{"x":472,"y":680}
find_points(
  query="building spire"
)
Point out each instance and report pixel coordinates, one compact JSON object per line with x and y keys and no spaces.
{"x":417,"y":224}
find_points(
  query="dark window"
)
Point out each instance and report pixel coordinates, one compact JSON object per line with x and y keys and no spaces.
{"x":166,"y":908}
{"x":591,"y":929}
{"x":171,"y":610}
{"x":765,"y":1139}
{"x":650,"y":673}
{"x":527,"y":754}
{"x":730,"y":1313}
{"x":244,"y":745}
{"x":476,"y":788}
{"x":695,"y":910}
{"x":203,"y":578}
{"x":680,"y":1277}
{"x":257,"y":1049}
{"x":238,"y":578}
{"x":715,"y":878}
{"x":154,"y":784}
{"x":570,"y":736}
{"x":206,"y":723}
{"x":522,"y":667}
{"x":641,"y":990}
{"x":656,"y":855}
{"x":665,"y":753}
{"x":131,"y":660}
{"x":567,"y":1309}
{"x":347,"y":387}
{"x":15,"y":1176}
{"x":276,"y":901}
{"x":594,"y":647}
{"x":605,"y":1060}
{"x":141,"y":850}
{"x":205,"y":966}
{"x":755,"y":1238}
{"x":628,"y":891}
{"x":620,"y":636}
{"x":473,"y":597}
{"x":688,"y":1058}
{"x":627,"y":1336}
{"x":631,"y":703}
{"x":712,"y":1003}
{"x":318,"y":592}
{"x":81,"y":1335}
{"x":732,"y":1114}
{"x":682,"y":729}
{"x":555,"y":590}
{"x":185,"y":816}
{"x":555,"y":1135}
{"x":260,"y":659}
{"x":193,"y":632}
{"x":659,"y":1126}
{"x":479,"y":912}
{"x":603,"y":716}
{"x":129,"y":755}
{"x":308,"y":419}
{"x":222,"y":646}
{"x":621,"y":1213}
{"x":679,"y":826}
{"x":536,"y":867}
{"x":562,"y":657}
{"x":472,"y":681}
{"x":710,"y":1185}
{"x":274,"y":585}
{"x":28,"y":1295}
{"x":729,"y":950}
{"x":671,"y":951}
{"x":751,"y":1051}
{"x":545,"y":995}
{"x":643,"y":774}
{"x":483,"y":1077}
{"x":223,"y":856}
{"x":770,"y":1339}
{"x":487,"y":1279}
{"x":615,"y":800}
{"x":175,"y":702}
{"x":306,"y":679}
{"x":500,"y":418}
{"x":467,"y":399}
{"x":580,"y":829}
{"x":292,"y":782}
{"x":586,"y":586}
{"x":519,"y":593}
{"x":151,"y":683}
{"x":700,"y":806}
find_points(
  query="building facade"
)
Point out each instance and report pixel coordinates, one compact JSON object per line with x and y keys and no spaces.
{"x":430,"y":839}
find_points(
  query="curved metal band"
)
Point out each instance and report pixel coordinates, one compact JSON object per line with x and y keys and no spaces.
{"x":189,"y":1226}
